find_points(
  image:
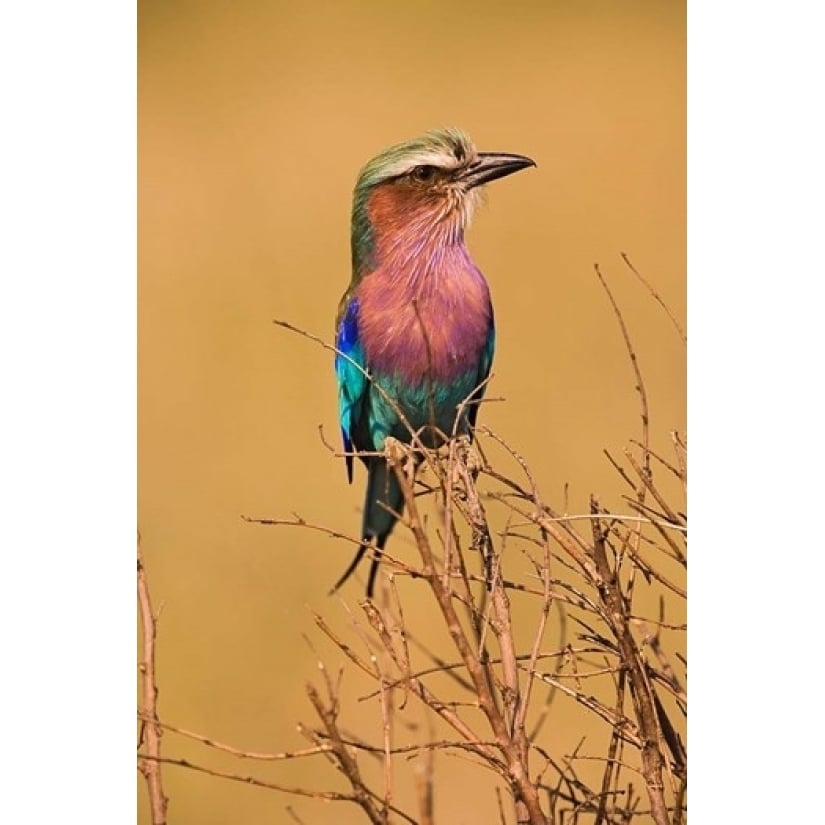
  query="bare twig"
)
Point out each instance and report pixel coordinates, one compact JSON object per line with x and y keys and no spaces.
{"x":641,"y":690}
{"x":149,"y":760}
{"x":231,"y":749}
{"x":657,"y":297}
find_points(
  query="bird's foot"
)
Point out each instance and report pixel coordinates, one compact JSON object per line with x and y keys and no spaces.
{"x":399,"y":453}
{"x":465,"y":465}
{"x":467,"y":453}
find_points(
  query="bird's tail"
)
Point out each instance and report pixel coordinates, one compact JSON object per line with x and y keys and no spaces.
{"x":383,"y":495}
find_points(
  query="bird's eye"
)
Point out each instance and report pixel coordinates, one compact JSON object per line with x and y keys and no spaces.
{"x":424,"y":174}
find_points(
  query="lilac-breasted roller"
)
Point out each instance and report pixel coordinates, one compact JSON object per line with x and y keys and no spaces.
{"x":416,"y":317}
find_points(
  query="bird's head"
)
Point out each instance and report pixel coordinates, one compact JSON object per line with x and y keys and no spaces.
{"x":421,"y":192}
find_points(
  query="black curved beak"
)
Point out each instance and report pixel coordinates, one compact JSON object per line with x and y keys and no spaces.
{"x":493,"y":165}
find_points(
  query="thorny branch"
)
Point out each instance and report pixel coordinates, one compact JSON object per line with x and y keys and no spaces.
{"x":149,"y":759}
{"x":494,"y":689}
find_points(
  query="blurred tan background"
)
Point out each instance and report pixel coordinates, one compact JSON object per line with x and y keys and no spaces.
{"x":254,"y":119}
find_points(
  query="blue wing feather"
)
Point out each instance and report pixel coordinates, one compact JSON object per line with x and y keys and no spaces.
{"x":352,"y":383}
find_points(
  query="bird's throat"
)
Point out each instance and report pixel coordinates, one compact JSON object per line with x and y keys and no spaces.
{"x":412,"y":235}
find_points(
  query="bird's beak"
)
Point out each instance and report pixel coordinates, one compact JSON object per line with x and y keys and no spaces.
{"x":493,"y":165}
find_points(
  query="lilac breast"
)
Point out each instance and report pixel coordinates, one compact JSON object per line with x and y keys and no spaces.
{"x":430,"y":325}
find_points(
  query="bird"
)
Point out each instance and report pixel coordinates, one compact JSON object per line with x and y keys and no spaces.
{"x":414,"y":332}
